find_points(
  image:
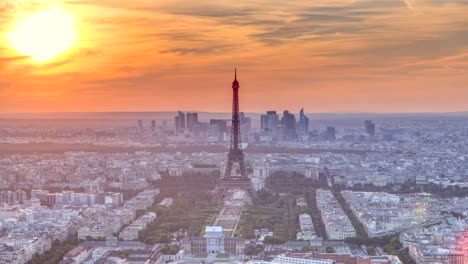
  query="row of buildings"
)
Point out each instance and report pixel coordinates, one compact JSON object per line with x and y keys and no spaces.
{"x":132,"y":231}
{"x":320,"y":258}
{"x":337,"y":224}
{"x":383,"y":213}
{"x":307,"y":228}
{"x":70,"y":199}
{"x":105,"y":223}
{"x":446,"y":243}
{"x":30,"y":229}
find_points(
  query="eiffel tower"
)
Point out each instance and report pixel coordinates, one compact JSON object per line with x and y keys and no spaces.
{"x":235,"y":156}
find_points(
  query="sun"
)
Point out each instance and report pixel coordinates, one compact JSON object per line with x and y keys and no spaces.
{"x":43,"y":35}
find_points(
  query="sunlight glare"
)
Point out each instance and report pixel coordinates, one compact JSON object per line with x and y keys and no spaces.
{"x":43,"y":35}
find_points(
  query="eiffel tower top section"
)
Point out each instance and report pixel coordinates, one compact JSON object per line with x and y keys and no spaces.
{"x":235,"y":145}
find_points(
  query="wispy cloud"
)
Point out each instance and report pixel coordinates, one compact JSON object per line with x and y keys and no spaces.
{"x":410,"y":4}
{"x":147,"y":53}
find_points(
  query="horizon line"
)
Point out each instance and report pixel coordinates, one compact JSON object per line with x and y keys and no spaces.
{"x":248,"y":112}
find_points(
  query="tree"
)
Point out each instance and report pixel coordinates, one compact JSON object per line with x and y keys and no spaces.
{"x":163,"y":238}
{"x":248,"y":231}
{"x":273,"y":240}
{"x":389,"y":249}
{"x":306,"y":249}
{"x":249,"y":250}
{"x":329,"y":250}
{"x":395,"y":242}
{"x":165,"y":249}
{"x":258,"y":249}
{"x":173,"y":250}
{"x":371,"y":251}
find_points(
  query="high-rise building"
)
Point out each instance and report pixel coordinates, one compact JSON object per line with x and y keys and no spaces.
{"x":153,"y":125}
{"x":370,"y":127}
{"x":270,"y":121}
{"x":140,"y":125}
{"x":179,"y":122}
{"x":263,"y":122}
{"x":246,"y":125}
{"x":192,"y":119}
{"x":182,"y":120}
{"x":218,"y":128}
{"x":330,"y":134}
{"x":288,"y":123}
{"x":273,"y":120}
{"x":303,"y":125}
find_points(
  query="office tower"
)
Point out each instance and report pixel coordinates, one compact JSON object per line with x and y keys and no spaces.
{"x":330,"y":134}
{"x":303,"y":125}
{"x":235,"y":156}
{"x":218,"y":128}
{"x":264,"y":122}
{"x":246,"y":125}
{"x":179,"y":121}
{"x":370,"y":127}
{"x":192,"y":119}
{"x":246,"y":121}
{"x":288,"y":123}
{"x":140,"y":125}
{"x":196,"y":129}
{"x":273,"y":120}
{"x":182,"y":120}
{"x":153,"y":125}
{"x":177,"y":124}
{"x":270,"y":121}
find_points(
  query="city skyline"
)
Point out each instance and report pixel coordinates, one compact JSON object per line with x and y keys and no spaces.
{"x":336,"y":56}
{"x":346,"y":191}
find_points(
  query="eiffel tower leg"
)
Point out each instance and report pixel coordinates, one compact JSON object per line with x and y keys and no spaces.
{"x":252,"y":194}
{"x":243,"y":171}
{"x":229,"y":165}
{"x":218,"y":195}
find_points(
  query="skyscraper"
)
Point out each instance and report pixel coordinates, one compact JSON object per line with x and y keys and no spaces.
{"x":140,"y":125}
{"x":218,"y":128}
{"x":192,"y":119}
{"x":330,"y":134}
{"x":153,"y":125}
{"x":303,"y":125}
{"x":370,"y":127}
{"x":270,"y":121}
{"x":179,"y":122}
{"x":246,"y":125}
{"x":182,"y":120}
{"x":288,"y":123}
{"x":263,"y":122}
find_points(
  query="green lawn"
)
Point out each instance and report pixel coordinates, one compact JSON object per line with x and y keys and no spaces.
{"x":191,"y":212}
{"x":201,"y":256}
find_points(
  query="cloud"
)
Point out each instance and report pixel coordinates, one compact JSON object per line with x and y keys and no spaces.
{"x":135,"y":48}
{"x":409,"y":4}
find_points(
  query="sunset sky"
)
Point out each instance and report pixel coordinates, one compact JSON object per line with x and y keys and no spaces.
{"x":160,"y":55}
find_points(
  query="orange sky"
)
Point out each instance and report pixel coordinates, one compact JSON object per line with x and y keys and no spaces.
{"x":326,"y":56}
